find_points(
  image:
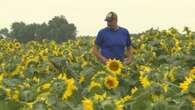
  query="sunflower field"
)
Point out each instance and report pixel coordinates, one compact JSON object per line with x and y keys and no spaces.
{"x":44,"y":75}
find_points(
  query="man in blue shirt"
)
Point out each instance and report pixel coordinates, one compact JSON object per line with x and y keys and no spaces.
{"x":112,"y":41}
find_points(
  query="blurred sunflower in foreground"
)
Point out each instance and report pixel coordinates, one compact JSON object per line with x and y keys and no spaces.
{"x":114,"y":66}
{"x":111,"y":82}
{"x":87,"y":104}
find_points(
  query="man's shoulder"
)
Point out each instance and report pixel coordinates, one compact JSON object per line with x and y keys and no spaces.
{"x":102,"y":30}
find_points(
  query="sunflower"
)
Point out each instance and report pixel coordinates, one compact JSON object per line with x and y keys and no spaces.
{"x":18,"y":70}
{"x":185,"y":85}
{"x":57,"y":52}
{"x":193,"y":101}
{"x":119,"y":105}
{"x":1,"y":77}
{"x":29,"y":104}
{"x":17,"y":45}
{"x":87,"y":104}
{"x":145,"y":68}
{"x":8,"y":92}
{"x":100,"y":97}
{"x":144,"y":81}
{"x":15,"y":95}
{"x":82,"y":79}
{"x":165,"y":87}
{"x":126,"y":98}
{"x":111,"y":82}
{"x":157,"y":98}
{"x":192,"y":73}
{"x":46,"y":86}
{"x":134,"y":90}
{"x":70,"y":88}
{"x":124,"y":73}
{"x":94,"y":84}
{"x":114,"y":66}
{"x":84,"y":63}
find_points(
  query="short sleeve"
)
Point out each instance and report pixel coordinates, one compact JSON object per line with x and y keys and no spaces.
{"x":128,"y":42}
{"x":99,"y":39}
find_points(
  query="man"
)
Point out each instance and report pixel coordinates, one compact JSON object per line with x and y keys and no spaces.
{"x":112,"y":41}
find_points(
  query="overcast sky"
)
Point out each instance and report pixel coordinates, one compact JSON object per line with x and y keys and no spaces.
{"x":88,"y":15}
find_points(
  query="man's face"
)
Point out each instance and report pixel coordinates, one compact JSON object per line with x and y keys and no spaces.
{"x":112,"y":23}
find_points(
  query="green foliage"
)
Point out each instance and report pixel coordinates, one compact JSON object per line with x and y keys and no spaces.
{"x":57,"y":29}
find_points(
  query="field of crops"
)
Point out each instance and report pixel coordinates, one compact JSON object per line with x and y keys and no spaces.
{"x":44,"y":75}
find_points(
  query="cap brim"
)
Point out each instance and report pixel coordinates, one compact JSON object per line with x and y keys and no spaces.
{"x":107,"y":20}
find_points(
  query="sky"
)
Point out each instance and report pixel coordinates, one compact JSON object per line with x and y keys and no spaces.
{"x":88,"y":15}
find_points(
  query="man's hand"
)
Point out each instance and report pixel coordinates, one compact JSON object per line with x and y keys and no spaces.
{"x":126,"y":61}
{"x":99,"y":55}
{"x":104,"y":60}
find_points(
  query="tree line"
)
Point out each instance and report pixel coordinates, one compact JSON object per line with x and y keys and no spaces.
{"x":57,"y":29}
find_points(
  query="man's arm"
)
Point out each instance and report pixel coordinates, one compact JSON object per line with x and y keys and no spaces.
{"x":129,"y":57}
{"x":98,"y":54}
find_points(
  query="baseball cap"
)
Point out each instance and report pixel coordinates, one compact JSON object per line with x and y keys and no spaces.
{"x":110,"y":16}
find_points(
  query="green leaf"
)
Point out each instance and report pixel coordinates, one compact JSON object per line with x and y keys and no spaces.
{"x":108,"y":105}
{"x":192,"y":89}
{"x":39,"y":106}
{"x":28,"y":95}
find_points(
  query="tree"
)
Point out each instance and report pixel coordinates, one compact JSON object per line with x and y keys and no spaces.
{"x":4,"y":32}
{"x":17,"y":30}
{"x":60,"y":30}
{"x":57,"y":29}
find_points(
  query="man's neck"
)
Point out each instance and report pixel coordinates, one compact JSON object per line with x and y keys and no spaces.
{"x":114,"y":28}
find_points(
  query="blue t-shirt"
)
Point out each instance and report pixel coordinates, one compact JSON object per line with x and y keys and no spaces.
{"x":113,"y":42}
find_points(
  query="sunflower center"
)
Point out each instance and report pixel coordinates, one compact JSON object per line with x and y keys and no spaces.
{"x":114,"y":66}
{"x":110,"y":83}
